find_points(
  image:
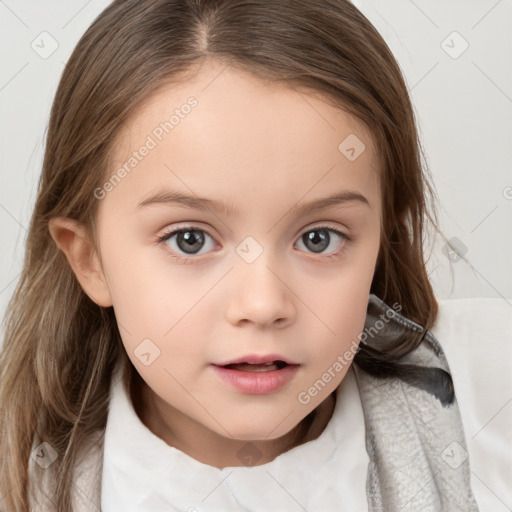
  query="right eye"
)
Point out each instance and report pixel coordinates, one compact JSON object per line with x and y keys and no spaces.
{"x":188,"y":240}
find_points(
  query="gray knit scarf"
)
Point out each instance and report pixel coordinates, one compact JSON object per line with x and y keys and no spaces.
{"x":414,"y":435}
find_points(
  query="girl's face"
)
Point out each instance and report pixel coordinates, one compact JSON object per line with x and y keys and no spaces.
{"x":265,"y":267}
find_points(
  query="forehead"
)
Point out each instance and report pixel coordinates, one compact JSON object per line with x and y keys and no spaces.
{"x":224,"y":132}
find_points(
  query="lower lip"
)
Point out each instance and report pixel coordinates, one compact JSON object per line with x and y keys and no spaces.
{"x":257,"y":383}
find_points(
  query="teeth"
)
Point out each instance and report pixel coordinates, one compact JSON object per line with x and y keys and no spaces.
{"x":261,"y":367}
{"x":265,"y":367}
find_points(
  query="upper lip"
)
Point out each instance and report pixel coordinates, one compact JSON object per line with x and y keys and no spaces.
{"x":257,"y":359}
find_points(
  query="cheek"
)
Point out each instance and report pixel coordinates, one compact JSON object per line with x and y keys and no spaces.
{"x":333,"y":340}
{"x":341,"y":314}
{"x":149,"y":292}
{"x":156,"y":307}
{"x":338,"y":307}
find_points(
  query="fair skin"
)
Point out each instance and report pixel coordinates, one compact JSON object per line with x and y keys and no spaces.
{"x":264,"y":150}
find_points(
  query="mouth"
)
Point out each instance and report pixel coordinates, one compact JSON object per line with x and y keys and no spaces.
{"x":257,"y":375}
{"x":256,"y":367}
{"x":259,"y":360}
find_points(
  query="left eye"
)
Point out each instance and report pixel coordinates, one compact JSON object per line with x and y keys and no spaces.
{"x":190,"y":240}
{"x":318,"y":239}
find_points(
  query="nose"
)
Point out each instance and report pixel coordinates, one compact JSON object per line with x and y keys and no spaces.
{"x":260,"y":294}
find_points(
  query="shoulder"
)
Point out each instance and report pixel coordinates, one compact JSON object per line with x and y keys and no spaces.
{"x":86,"y":479}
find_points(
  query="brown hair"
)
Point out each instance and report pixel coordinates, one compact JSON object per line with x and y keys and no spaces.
{"x":60,"y":347}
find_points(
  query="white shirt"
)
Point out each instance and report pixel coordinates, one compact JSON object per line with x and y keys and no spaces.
{"x":142,"y":473}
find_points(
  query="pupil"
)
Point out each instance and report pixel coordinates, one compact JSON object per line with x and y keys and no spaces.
{"x":320,"y":239}
{"x":190,"y":241}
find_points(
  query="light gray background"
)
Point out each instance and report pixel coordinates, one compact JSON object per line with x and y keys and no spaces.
{"x":463,"y":105}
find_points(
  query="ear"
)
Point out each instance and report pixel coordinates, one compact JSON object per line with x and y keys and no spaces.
{"x":71,"y":238}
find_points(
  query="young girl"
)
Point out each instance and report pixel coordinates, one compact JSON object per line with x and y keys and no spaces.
{"x":231,"y":212}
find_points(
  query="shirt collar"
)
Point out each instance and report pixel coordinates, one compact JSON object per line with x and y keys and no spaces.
{"x":142,"y":470}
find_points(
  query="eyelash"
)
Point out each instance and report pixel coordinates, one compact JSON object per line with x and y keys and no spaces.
{"x":190,"y":259}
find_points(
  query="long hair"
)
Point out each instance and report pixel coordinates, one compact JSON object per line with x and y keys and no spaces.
{"x":60,"y":348}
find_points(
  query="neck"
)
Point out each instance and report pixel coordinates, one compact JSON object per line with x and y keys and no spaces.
{"x":211,"y":448}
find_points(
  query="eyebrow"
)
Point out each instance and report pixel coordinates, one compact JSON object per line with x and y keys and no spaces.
{"x":202,"y":203}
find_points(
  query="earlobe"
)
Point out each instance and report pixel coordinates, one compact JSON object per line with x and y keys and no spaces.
{"x":71,"y":238}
